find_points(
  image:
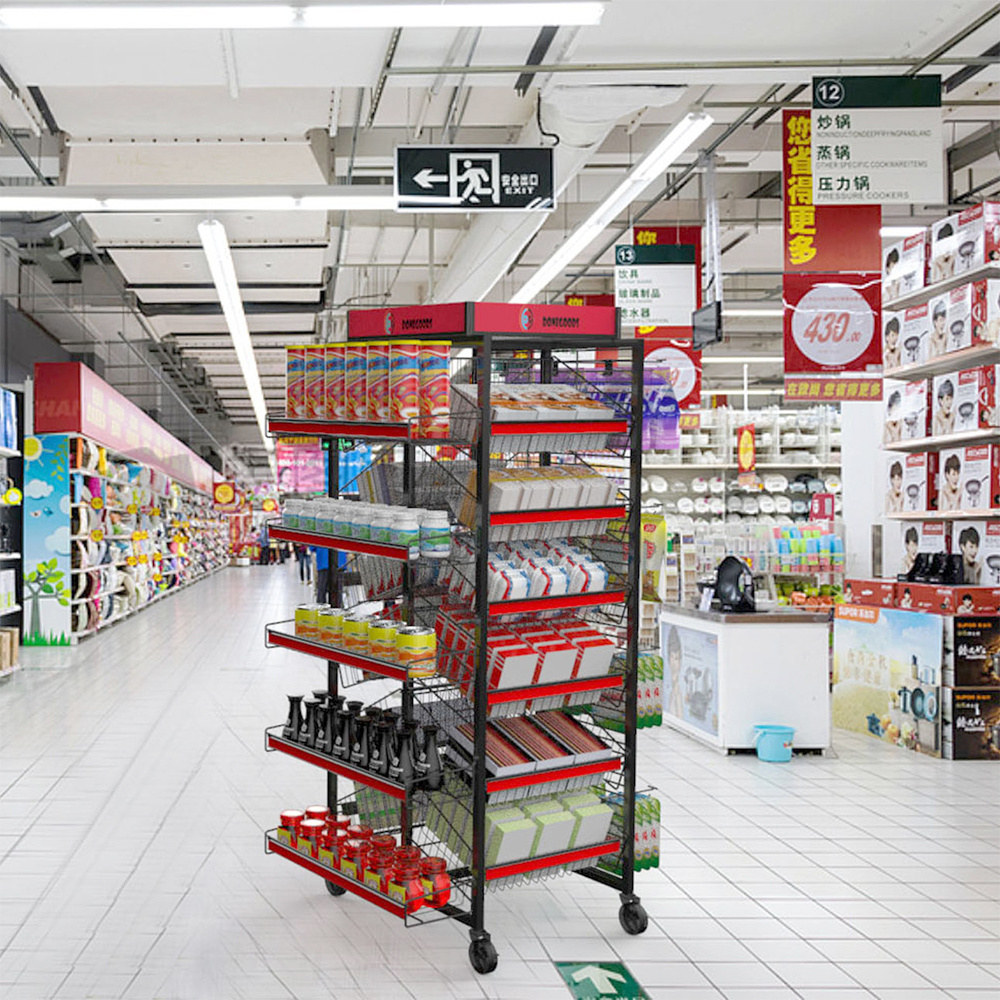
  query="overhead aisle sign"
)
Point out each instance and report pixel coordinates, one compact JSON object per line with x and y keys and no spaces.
{"x":474,"y":178}
{"x":656,"y":285}
{"x":877,"y":140}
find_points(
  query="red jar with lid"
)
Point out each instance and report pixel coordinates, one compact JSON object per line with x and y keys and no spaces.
{"x":383,"y":842}
{"x":318,"y":812}
{"x":309,"y":831}
{"x":407,"y":852}
{"x":338,"y":822}
{"x":339,"y":839}
{"x":436,"y":882}
{"x":291,"y":818}
{"x":354,"y":855}
{"x":381,"y":862}
{"x":406,"y":874}
{"x":359,"y":832}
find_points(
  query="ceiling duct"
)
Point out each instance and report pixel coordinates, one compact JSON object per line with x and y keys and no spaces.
{"x":581,"y":117}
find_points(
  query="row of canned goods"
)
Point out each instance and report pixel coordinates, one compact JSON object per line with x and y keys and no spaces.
{"x":369,"y":635}
{"x":401,"y":872}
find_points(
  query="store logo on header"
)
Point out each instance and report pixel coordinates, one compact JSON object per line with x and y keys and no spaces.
{"x":526,"y":318}
{"x":389,"y":322}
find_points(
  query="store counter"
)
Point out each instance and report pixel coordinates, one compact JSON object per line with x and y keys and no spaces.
{"x":725,"y":673}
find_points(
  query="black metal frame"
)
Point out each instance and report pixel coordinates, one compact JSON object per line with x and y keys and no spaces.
{"x":485,"y":346}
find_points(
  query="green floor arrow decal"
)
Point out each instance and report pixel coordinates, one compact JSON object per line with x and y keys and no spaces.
{"x":600,"y":981}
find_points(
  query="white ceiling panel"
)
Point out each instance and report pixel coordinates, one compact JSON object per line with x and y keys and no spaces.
{"x":280,"y":294}
{"x":293,"y":265}
{"x":116,"y":229}
{"x":190,"y":163}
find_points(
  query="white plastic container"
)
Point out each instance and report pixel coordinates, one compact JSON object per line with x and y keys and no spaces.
{"x":435,"y":535}
{"x":406,"y":531}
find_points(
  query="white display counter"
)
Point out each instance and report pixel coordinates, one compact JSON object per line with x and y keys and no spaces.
{"x":725,"y":673}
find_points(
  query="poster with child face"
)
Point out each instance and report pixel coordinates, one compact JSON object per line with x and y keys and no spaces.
{"x":691,"y":677}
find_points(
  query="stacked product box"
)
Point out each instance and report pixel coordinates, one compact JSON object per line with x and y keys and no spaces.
{"x":969,"y":478}
{"x":538,"y":827}
{"x":971,"y":709}
{"x":398,"y":381}
{"x":647,"y":831}
{"x":609,"y":710}
{"x":964,"y":241}
{"x":540,"y":651}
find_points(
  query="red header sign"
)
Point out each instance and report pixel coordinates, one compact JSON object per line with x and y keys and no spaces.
{"x":487,"y":317}
{"x":506,"y":317}
{"x":746,"y":454}
{"x":823,"y":237}
{"x":71,"y":399}
{"x":589,"y":300}
{"x":831,"y":322}
{"x":406,"y":321}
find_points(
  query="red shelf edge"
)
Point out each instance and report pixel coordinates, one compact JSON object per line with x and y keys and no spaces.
{"x":554,"y":690}
{"x":338,"y":767}
{"x":556,"y":603}
{"x":343,"y":656}
{"x":558,"y":514}
{"x":338,"y":428}
{"x":543,"y":777}
{"x":505,"y":427}
{"x":351,"y":885}
{"x":551,"y":860}
{"x":324,"y":541}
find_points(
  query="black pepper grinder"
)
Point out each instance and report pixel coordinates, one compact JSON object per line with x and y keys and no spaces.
{"x":351,"y":746}
{"x":324,"y":728}
{"x":401,"y":763}
{"x":342,"y":727}
{"x":294,"y":722}
{"x":428,"y":762}
{"x":381,"y":746}
{"x":307,"y":734}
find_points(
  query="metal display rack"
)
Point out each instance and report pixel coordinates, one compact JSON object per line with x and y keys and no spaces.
{"x":488,"y":342}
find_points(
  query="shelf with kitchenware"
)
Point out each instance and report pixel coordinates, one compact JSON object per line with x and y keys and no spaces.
{"x":983,"y":272}
{"x":936,"y":442}
{"x":122,"y":551}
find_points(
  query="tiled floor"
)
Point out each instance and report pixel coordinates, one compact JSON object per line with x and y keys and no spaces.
{"x":135,"y":786}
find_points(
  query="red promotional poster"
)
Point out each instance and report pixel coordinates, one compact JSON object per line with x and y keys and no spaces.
{"x":589,"y":300}
{"x":746,"y":454}
{"x":823,"y":237}
{"x":831,"y":322}
{"x":301,"y":465}
{"x":679,"y":359}
{"x":226,"y":497}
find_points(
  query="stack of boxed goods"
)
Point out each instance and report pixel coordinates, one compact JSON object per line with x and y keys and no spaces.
{"x":526,"y":404}
{"x":609,"y":711}
{"x":971,"y":688}
{"x":647,"y":831}
{"x":538,"y":827}
{"x":525,"y":653}
{"x":551,"y":487}
{"x":524,"y":746}
{"x":398,"y":382}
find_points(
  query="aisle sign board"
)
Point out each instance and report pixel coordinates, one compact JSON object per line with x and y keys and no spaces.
{"x":876,"y":140}
{"x":656,"y":285}
{"x":831,"y":322}
{"x":474,"y":178}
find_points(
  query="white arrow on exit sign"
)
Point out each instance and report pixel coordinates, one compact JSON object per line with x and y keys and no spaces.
{"x":601,"y":978}
{"x":426,"y":178}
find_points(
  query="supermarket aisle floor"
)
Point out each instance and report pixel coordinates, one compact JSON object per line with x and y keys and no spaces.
{"x":135,"y":786}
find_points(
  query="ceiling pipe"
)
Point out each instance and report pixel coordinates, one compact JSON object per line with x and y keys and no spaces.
{"x":582,"y":117}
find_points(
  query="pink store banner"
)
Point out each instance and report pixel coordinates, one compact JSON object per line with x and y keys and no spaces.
{"x":301,"y":465}
{"x":72,"y":399}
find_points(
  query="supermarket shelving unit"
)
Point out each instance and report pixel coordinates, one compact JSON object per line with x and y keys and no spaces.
{"x":11,"y":525}
{"x":491,"y":334}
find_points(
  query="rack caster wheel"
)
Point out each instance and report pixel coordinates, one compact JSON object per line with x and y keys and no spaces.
{"x":334,"y":889}
{"x":483,"y":956}
{"x":633,"y":917}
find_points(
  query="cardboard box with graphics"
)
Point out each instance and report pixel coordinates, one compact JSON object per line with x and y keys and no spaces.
{"x":892,"y":339}
{"x":919,"y":536}
{"x":892,"y":408}
{"x":977,"y":236}
{"x":894,"y":483}
{"x":918,"y":486}
{"x":944,"y":241}
{"x":978,"y":542}
{"x":969,"y":478}
{"x":986,"y":312}
{"x":916,"y":411}
{"x":874,"y":593}
{"x":975,"y":724}
{"x":964,"y":400}
{"x":925,"y":597}
{"x":951,"y":321}
{"x":903,"y":267}
{"x":916,"y":332}
{"x":977,"y":651}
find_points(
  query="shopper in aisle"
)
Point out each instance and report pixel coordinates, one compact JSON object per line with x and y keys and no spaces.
{"x":322,"y":556}
{"x":305,"y":563}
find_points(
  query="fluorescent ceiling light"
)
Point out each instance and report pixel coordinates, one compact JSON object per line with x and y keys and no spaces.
{"x":23,"y":200}
{"x":742,"y":359}
{"x":220,"y":262}
{"x":170,"y":17}
{"x":900,"y":232}
{"x":675,"y":142}
{"x":752,"y":312}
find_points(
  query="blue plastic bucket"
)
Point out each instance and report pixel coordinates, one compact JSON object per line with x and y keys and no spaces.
{"x":774,"y":743}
